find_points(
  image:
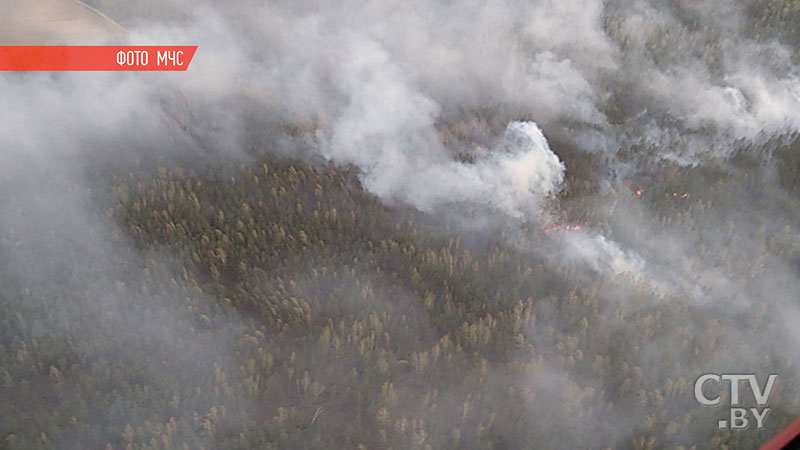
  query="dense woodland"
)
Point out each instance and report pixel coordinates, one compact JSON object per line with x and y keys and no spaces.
{"x":273,"y":303}
{"x":303,"y":313}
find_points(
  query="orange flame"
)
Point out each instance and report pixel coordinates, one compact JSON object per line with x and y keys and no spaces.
{"x":639,"y":192}
{"x":564,"y":227}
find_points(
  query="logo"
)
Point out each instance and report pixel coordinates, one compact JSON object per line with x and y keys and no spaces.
{"x":740,"y":417}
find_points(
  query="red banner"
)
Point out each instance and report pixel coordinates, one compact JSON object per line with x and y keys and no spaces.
{"x":125,"y":58}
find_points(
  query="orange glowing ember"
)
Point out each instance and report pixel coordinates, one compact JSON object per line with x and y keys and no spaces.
{"x":639,"y":192}
{"x":566,"y":227}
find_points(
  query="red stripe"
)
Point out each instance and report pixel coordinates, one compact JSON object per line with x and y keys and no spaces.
{"x":116,"y":58}
{"x":784,"y":437}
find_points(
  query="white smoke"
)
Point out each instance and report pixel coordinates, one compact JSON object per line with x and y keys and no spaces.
{"x":387,"y":129}
{"x":513,"y":178}
{"x":603,"y":255}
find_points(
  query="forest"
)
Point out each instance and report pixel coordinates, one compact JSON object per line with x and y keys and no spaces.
{"x":278,"y":297}
{"x":303,"y":313}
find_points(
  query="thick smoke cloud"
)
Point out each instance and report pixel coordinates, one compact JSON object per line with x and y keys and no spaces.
{"x":380,"y":87}
{"x":405,"y":72}
{"x":514,"y":179}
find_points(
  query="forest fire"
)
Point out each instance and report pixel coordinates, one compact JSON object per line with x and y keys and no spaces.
{"x":578,"y":227}
{"x":527,"y":224}
{"x":564,"y":227}
{"x":684,"y":196}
